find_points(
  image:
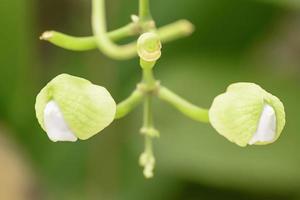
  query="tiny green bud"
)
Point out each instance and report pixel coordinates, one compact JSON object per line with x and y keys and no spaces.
{"x":247,"y":114}
{"x":149,"y":47}
{"x":70,"y":107}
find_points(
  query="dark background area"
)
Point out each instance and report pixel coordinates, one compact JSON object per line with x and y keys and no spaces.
{"x":235,"y":40}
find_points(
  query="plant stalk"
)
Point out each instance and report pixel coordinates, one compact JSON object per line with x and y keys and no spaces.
{"x":190,"y":110}
{"x":144,"y":10}
{"x":105,"y":45}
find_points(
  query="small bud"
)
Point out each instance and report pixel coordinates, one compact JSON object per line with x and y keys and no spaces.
{"x":70,"y":107}
{"x":247,"y":114}
{"x":148,"y":162}
{"x":149,"y":47}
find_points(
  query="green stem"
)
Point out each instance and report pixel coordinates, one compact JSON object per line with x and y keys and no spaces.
{"x":176,"y":30}
{"x":149,"y":161}
{"x":87,"y":43}
{"x":148,"y":123}
{"x":129,"y":104}
{"x":148,"y":78}
{"x":190,"y":110}
{"x":144,"y":10}
{"x":103,"y":41}
{"x":168,"y":33}
{"x":149,"y":82}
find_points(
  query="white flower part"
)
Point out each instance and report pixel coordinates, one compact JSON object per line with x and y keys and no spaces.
{"x":266,"y":129}
{"x":55,"y":125}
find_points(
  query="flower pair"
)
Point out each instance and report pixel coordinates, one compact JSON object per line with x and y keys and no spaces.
{"x":70,"y":107}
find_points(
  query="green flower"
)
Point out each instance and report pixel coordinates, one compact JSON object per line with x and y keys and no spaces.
{"x":70,"y":107}
{"x":247,"y":114}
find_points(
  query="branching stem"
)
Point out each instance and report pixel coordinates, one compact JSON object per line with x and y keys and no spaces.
{"x":149,"y":54}
{"x":87,"y":43}
{"x":103,"y":41}
{"x":168,"y":33}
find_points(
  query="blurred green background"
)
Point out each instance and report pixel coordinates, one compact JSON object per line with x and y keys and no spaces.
{"x":235,"y":40}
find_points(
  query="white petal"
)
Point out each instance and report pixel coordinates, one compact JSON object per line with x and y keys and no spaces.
{"x":55,"y":125}
{"x":266,"y":129}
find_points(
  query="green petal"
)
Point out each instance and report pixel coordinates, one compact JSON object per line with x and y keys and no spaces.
{"x":87,"y":108}
{"x":235,"y":114}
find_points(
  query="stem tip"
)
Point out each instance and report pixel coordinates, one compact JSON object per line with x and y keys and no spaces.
{"x":46,"y":35}
{"x":188,"y":26}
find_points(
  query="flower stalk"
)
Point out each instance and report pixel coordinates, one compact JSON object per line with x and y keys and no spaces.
{"x":70,"y":108}
{"x":188,"y":109}
{"x":144,"y":10}
{"x":167,"y":33}
{"x":87,"y":43}
{"x":105,"y":45}
{"x":126,"y":106}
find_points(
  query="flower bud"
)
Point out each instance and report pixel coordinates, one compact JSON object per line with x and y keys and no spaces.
{"x":247,"y":114}
{"x":147,"y":161}
{"x":149,"y":47}
{"x":70,"y":107}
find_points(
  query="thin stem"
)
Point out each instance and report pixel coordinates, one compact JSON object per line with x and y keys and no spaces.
{"x":148,"y":78}
{"x":87,"y":43}
{"x":175,"y":31}
{"x":144,"y":10}
{"x":188,"y":109}
{"x":148,"y":123}
{"x":148,"y":145}
{"x":147,"y":159}
{"x":103,"y":41}
{"x":148,"y":112}
{"x":168,"y":33}
{"x":129,"y":104}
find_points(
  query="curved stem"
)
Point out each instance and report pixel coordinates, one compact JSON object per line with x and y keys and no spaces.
{"x":129,"y":104}
{"x":87,"y":43}
{"x":188,"y":109}
{"x":103,"y":41}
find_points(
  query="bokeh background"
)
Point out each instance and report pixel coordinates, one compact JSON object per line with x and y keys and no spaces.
{"x":235,"y":40}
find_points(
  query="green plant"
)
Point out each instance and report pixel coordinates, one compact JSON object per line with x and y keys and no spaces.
{"x":69,"y":107}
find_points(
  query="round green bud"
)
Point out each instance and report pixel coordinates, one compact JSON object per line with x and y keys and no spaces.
{"x":70,"y":107}
{"x":247,"y":114}
{"x":149,"y":47}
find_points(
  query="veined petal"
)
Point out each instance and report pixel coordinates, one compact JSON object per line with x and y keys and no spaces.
{"x":246,"y":114}
{"x":70,"y":107}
